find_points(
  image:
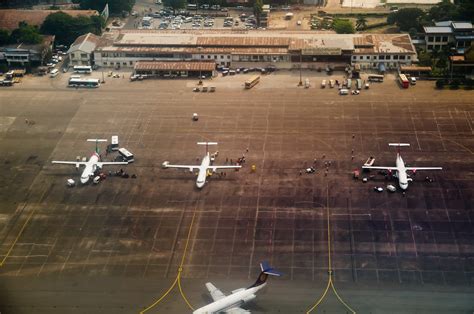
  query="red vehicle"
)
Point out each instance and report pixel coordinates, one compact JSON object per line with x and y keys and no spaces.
{"x":404,"y":82}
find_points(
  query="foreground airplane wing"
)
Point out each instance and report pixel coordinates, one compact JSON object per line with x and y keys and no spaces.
{"x":100,"y":164}
{"x":423,"y":168}
{"x":237,"y":310}
{"x":379,"y":167}
{"x":214,"y":168}
{"x":190,"y":167}
{"x":80,"y":163}
{"x":216,"y":294}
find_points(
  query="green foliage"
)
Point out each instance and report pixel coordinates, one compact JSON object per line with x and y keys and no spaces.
{"x":343,"y":26}
{"x":424,"y":58}
{"x":257,"y":10}
{"x":4,"y":37}
{"x":26,"y":34}
{"x":175,"y":4}
{"x":443,"y":11}
{"x":3,"y":68}
{"x":466,"y":10}
{"x":115,"y":6}
{"x":406,"y":18}
{"x":67,"y":28}
{"x":361,"y":22}
{"x":440,"y":84}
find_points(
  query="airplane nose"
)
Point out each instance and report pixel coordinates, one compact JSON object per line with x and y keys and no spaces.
{"x":84,"y":180}
{"x":200,"y":185}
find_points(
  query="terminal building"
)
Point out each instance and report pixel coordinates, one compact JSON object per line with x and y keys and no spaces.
{"x":279,"y":49}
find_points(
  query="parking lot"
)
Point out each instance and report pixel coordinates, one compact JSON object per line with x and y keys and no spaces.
{"x":116,"y":247}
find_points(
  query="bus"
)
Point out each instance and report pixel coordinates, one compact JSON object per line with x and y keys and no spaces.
{"x":359,"y":84}
{"x":88,"y":83}
{"x":87,"y":69}
{"x":402,"y":79}
{"x":126,"y":155}
{"x":192,"y":6}
{"x":349,"y":83}
{"x":375,"y":78}
{"x":251,"y":82}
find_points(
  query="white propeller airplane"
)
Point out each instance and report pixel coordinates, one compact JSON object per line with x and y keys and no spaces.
{"x":92,"y":165}
{"x":400,"y":169}
{"x":203,"y":168}
{"x":231,"y":304}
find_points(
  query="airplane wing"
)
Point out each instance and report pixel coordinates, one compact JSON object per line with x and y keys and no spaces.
{"x":215,"y":168}
{"x":423,"y":168}
{"x":80,"y":163}
{"x":216,"y":294}
{"x":379,"y":167}
{"x":100,"y":163}
{"x":190,"y":167}
{"x":237,"y":310}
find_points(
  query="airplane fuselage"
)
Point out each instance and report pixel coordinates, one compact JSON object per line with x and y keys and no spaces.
{"x":233,"y":300}
{"x":90,"y":168}
{"x":202,"y":175}
{"x":401,"y":173}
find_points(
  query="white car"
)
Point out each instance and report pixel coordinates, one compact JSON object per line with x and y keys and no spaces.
{"x":378,"y":189}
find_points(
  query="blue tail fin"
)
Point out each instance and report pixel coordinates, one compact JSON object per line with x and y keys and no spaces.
{"x":266,"y":270}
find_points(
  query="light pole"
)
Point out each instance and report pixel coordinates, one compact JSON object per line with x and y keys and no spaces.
{"x":200,"y":74}
{"x":301,"y":61}
{"x":451,"y":59}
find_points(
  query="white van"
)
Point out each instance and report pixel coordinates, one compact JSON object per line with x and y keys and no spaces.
{"x":114,"y":143}
{"x":344,"y":91}
{"x":54,"y":73}
{"x":323,"y":84}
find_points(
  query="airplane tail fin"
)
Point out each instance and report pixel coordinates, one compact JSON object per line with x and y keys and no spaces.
{"x":266,"y":270}
{"x":96,"y":140}
{"x":207,"y":144}
{"x":398,"y":145}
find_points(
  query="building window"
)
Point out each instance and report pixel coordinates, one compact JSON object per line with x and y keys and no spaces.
{"x":430,"y":47}
{"x":125,"y":63}
{"x":131,"y":62}
{"x":409,"y":57}
{"x":83,"y":55}
{"x":387,"y":57}
{"x":215,"y":57}
{"x":202,"y":57}
{"x":222,"y":57}
{"x":367,"y":57}
{"x":105,"y":62}
{"x":395,"y":57}
{"x":209,"y":57}
{"x":354,"y":57}
{"x":445,"y":38}
{"x":437,"y":38}
{"x":382,"y":57}
{"x":430,"y":38}
{"x":402,"y":57}
{"x":361,"y":57}
{"x":228,"y":57}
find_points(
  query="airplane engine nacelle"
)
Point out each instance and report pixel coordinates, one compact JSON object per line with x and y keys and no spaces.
{"x":191,"y":170}
{"x":249,"y":298}
{"x":77,"y":166}
{"x":409,"y":179}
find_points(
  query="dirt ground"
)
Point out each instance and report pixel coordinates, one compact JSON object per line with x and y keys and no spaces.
{"x":116,"y":247}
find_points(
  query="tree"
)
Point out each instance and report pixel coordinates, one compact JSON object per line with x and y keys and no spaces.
{"x":115,"y":6}
{"x":25,"y":33}
{"x":466,"y":10}
{"x":257,"y":10}
{"x":175,"y":4}
{"x":406,"y":18}
{"x":443,"y":11}
{"x":343,"y":26}
{"x":4,"y":37}
{"x":424,"y":58}
{"x":67,"y":28}
{"x":361,"y":22}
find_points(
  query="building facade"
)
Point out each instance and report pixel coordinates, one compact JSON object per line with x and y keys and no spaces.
{"x":81,"y":51}
{"x":284,"y":50}
{"x":458,"y":35}
{"x":25,"y":54}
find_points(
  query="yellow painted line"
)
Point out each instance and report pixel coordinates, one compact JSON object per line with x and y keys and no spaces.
{"x":178,"y":275}
{"x":17,"y":237}
{"x":330,"y":283}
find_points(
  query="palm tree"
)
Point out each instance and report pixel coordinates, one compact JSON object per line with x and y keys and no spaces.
{"x":361,"y":22}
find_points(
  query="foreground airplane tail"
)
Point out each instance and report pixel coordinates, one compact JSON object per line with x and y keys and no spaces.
{"x":207,"y":144}
{"x":96,"y":140}
{"x":266,"y":270}
{"x":398,"y":145}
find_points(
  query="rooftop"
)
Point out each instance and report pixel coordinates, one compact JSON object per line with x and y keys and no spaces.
{"x":384,"y":43}
{"x":86,"y":43}
{"x":9,"y":19}
{"x":437,"y":29}
{"x":462,"y":25}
